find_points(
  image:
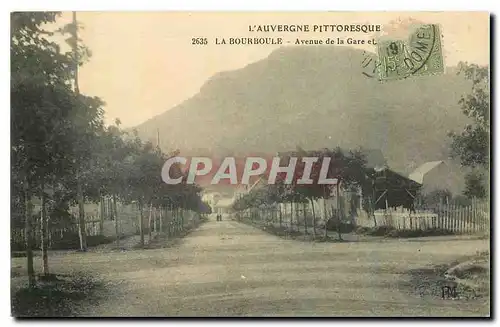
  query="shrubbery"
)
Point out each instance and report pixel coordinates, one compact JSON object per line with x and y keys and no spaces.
{"x":388,"y":231}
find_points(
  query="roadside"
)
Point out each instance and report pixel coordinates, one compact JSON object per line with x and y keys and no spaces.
{"x":361,"y":234}
{"x":473,"y":285}
{"x":69,"y":287}
{"x":232,"y":269}
{"x":472,"y":275}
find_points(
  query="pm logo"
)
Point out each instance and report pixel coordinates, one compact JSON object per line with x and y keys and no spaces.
{"x":449,"y":291}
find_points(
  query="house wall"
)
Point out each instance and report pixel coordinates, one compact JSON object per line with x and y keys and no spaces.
{"x":445,"y":176}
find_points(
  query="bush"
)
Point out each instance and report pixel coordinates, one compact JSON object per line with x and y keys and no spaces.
{"x":345,"y":227}
{"x":388,"y":231}
{"x":381,"y":231}
{"x":362,"y":230}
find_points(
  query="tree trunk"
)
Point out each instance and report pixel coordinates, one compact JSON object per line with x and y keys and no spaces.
{"x":340,"y":213}
{"x":149,"y":221}
{"x":373,"y":204}
{"x":82,"y":233}
{"x":281,"y":215}
{"x":141,"y":224}
{"x":314,"y":218}
{"x":117,"y":222}
{"x":44,"y":231}
{"x":305,"y":216}
{"x":101,"y":220}
{"x":177,"y":222}
{"x":181,"y":223}
{"x":161,"y":219}
{"x":373,"y":214}
{"x":173,"y":222}
{"x":169,"y":220}
{"x":326,"y":216}
{"x":155,"y":220}
{"x":79,"y":190}
{"x":296,"y":205}
{"x":284,"y":213}
{"x":28,"y":216}
{"x":175,"y":217}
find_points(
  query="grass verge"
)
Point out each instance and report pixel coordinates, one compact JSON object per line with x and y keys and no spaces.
{"x":55,"y":296}
{"x":387,"y":231}
{"x":287,"y":233}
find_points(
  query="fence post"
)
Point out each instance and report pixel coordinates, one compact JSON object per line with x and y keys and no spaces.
{"x":464,"y":218}
{"x":411,"y":221}
{"x":451,"y":217}
{"x":474,"y":216}
{"x":448,"y":213}
{"x":101,"y":216}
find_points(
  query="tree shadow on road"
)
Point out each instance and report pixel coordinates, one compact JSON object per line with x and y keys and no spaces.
{"x":299,"y":235}
{"x":57,"y":296}
{"x":163,"y":240}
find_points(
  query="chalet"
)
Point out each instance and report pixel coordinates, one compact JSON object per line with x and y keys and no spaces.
{"x":439,"y":175}
{"x":391,"y":189}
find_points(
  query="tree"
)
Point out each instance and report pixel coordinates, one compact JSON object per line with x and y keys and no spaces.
{"x":471,"y":146}
{"x":474,"y":185}
{"x":436,"y":197}
{"x":47,"y":119}
{"x":39,"y":111}
{"x":349,"y":170}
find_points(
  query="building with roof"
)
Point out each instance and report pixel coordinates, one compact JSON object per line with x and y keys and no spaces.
{"x":438,"y":175}
{"x":392,"y":189}
{"x":418,"y":174}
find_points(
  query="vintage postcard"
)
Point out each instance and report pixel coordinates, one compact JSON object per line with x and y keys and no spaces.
{"x":266,"y":164}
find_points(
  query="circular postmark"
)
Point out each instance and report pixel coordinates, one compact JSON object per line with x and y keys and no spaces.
{"x":421,"y":46}
{"x":421,"y":54}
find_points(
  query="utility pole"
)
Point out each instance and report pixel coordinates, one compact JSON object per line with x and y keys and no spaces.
{"x":158,"y":140}
{"x":79,"y":190}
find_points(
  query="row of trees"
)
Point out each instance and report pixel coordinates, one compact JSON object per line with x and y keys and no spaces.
{"x":349,"y":168}
{"x":61,"y":150}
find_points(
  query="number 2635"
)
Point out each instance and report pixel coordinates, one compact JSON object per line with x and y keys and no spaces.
{"x":199,"y":41}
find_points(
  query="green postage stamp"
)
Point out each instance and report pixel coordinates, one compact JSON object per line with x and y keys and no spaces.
{"x":421,"y":54}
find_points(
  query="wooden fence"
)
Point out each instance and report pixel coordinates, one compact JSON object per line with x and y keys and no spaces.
{"x":472,"y":219}
{"x":292,"y":216}
{"x":56,"y":233}
{"x":99,"y":221}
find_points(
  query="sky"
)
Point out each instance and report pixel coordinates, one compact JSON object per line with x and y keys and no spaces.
{"x":143,"y":63}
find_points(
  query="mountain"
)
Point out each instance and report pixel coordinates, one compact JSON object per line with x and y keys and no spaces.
{"x":315,"y":97}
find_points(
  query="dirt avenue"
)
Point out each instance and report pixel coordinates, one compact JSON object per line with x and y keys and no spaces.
{"x":230,"y":269}
{"x":223,"y":164}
